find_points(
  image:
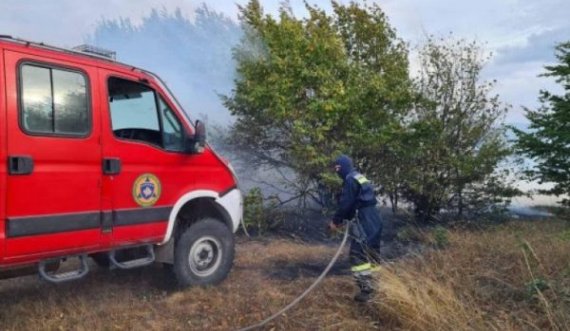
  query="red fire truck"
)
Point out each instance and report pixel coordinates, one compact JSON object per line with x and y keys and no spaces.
{"x":98,"y":160}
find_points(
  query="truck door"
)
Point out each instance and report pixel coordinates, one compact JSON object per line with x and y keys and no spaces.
{"x":146,"y":169}
{"x":54,"y":157}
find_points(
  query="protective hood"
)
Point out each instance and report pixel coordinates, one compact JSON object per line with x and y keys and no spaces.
{"x":345,"y":164}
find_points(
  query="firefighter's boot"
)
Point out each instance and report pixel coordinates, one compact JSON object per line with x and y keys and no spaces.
{"x":365,"y":284}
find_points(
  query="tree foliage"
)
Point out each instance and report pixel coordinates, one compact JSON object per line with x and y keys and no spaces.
{"x":455,"y":141}
{"x":310,"y":88}
{"x":547,"y":142}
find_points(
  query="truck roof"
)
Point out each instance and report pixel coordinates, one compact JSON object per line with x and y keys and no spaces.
{"x":77,"y":54}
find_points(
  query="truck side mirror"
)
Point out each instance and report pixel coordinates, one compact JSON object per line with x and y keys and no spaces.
{"x":196,"y":143}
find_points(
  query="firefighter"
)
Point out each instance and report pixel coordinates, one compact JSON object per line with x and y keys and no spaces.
{"x":358,"y":200}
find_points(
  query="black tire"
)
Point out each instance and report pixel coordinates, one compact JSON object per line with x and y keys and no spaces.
{"x":204,"y":253}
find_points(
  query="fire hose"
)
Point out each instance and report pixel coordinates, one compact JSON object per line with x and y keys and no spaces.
{"x":307,"y":291}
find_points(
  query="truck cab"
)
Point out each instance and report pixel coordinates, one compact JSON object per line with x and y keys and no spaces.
{"x":99,"y":160}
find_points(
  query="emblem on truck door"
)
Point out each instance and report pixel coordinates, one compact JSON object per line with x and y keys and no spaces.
{"x":146,"y":190}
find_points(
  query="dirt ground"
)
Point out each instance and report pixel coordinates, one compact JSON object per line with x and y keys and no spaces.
{"x":266,"y":276}
{"x":512,"y":276}
{"x":268,"y":273}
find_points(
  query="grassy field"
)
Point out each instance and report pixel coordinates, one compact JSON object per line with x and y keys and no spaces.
{"x":510,"y":277}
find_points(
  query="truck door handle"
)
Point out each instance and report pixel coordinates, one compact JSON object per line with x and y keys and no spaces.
{"x":20,"y":165}
{"x":111,"y":166}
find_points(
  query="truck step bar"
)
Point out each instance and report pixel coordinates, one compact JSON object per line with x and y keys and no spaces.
{"x":135,"y":263}
{"x":54,"y":277}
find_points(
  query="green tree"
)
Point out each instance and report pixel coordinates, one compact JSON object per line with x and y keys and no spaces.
{"x":547,"y":142}
{"x":310,"y":88}
{"x":455,"y":141}
{"x":380,"y":94}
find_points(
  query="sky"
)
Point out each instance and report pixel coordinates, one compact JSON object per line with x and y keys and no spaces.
{"x":520,"y":34}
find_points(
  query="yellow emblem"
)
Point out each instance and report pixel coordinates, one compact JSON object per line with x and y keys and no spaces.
{"x":146,"y":190}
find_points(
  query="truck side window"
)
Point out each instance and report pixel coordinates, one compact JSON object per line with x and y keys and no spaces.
{"x":53,"y":101}
{"x":173,"y":132}
{"x":134,"y":114}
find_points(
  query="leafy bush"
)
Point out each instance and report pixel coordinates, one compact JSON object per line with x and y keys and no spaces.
{"x":441,"y":237}
{"x":410,"y":234}
{"x":437,"y":237}
{"x":253,"y":208}
{"x":260,"y":214}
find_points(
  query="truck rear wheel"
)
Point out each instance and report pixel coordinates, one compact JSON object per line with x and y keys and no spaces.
{"x":204,"y":253}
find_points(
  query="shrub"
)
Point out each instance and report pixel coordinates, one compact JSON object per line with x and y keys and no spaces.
{"x":441,"y":236}
{"x":260,"y":214}
{"x":410,"y":234}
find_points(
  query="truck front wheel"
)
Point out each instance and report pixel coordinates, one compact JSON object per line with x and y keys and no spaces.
{"x":204,"y":253}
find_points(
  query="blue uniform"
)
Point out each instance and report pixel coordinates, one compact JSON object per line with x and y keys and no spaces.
{"x":358,"y":197}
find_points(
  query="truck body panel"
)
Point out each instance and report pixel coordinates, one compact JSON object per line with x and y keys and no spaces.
{"x":93,"y":158}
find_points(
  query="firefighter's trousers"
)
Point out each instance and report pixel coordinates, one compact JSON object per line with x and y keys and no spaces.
{"x":365,"y":233}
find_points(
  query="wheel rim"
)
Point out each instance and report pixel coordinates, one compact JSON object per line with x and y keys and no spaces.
{"x":205,"y":256}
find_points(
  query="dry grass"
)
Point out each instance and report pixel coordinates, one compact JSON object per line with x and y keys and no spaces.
{"x":515,"y":277}
{"x":266,"y":276}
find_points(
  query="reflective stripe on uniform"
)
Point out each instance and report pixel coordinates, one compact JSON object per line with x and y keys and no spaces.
{"x":361,"y":179}
{"x":361,"y":267}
